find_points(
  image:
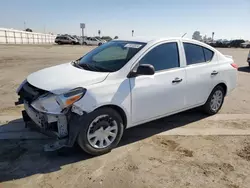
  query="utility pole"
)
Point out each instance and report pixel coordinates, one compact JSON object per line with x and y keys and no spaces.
{"x":24,"y":25}
{"x":133,"y":33}
{"x":82,"y":26}
{"x":212,"y":36}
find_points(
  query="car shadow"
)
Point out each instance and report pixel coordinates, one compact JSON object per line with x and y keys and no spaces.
{"x":21,"y":158}
{"x":244,"y":69}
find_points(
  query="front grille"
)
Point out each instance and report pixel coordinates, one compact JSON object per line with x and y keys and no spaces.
{"x":29,"y":93}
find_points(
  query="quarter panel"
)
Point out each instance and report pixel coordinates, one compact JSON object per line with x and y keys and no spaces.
{"x":227,"y":75}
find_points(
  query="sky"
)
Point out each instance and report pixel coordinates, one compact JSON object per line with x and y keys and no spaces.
{"x":228,"y":19}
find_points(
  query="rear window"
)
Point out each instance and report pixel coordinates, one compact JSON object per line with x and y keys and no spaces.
{"x":197,"y":54}
{"x":208,"y":54}
{"x":194,"y":54}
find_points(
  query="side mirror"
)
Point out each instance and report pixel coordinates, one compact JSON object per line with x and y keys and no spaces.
{"x":143,"y":69}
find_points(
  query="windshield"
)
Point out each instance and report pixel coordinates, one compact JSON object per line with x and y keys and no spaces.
{"x":110,"y":57}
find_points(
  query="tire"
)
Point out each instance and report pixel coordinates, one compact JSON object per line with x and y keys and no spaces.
{"x":249,"y":64}
{"x":99,"y":44}
{"x":208,"y":107}
{"x":97,"y":121}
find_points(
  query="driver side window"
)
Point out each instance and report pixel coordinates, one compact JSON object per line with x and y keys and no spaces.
{"x":162,"y":57}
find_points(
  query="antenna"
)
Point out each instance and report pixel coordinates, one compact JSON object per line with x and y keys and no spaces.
{"x":184,"y":35}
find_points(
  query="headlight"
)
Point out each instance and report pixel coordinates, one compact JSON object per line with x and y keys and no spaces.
{"x":67,"y":99}
{"x":54,"y":104}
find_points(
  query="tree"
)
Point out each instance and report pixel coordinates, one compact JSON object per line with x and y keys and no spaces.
{"x":116,"y":37}
{"x":197,"y":36}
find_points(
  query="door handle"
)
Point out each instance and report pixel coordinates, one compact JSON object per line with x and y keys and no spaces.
{"x":214,"y":73}
{"x":177,"y":80}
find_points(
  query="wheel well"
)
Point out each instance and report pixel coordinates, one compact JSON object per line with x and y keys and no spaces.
{"x":119,"y":110}
{"x":224,"y":86}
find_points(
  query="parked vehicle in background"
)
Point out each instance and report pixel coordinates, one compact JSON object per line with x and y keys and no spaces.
{"x":124,"y":83}
{"x":106,"y":38}
{"x":92,"y":41}
{"x":245,"y":45}
{"x":236,"y":43}
{"x":66,"y":39}
{"x":220,"y":44}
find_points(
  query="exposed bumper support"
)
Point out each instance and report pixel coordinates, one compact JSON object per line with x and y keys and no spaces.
{"x":64,"y":127}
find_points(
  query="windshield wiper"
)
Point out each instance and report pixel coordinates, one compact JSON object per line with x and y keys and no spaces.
{"x":101,"y":68}
{"x":90,"y":67}
{"x":87,"y":66}
{"x":93,"y":67}
{"x":75,"y":63}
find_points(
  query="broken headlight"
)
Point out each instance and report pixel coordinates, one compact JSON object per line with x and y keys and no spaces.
{"x":67,"y":99}
{"x":54,"y":104}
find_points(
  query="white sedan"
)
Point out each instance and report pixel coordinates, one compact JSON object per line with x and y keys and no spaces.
{"x":93,"y":41}
{"x":124,"y":83}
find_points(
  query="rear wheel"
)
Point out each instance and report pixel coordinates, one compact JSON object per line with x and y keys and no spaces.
{"x":215,"y":101}
{"x":101,"y":131}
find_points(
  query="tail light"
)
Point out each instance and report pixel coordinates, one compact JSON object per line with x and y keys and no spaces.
{"x":234,"y":65}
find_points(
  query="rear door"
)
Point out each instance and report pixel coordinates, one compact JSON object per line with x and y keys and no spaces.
{"x":92,"y":41}
{"x":65,"y":40}
{"x":201,"y":68}
{"x":95,"y":41}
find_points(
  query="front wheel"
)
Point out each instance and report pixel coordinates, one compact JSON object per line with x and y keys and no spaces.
{"x":214,"y":101}
{"x":101,"y":131}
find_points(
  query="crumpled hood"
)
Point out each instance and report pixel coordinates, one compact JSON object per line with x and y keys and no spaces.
{"x":62,"y":78}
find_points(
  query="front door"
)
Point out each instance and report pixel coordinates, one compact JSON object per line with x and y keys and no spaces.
{"x":162,"y":93}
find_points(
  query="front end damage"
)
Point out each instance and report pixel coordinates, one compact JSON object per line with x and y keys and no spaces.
{"x":51,"y":114}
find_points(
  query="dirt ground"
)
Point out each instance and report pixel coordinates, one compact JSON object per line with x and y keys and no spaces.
{"x":144,"y":158}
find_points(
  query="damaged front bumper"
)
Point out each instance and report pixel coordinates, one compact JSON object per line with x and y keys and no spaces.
{"x":60,"y":126}
{"x":63,"y":125}
{"x":56,"y":124}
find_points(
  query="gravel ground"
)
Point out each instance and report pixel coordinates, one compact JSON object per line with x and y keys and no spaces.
{"x":144,"y":158}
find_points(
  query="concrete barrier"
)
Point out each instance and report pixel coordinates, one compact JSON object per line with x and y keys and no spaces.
{"x":11,"y":36}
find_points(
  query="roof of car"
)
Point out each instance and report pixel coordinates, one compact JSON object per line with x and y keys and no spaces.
{"x":152,"y":39}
